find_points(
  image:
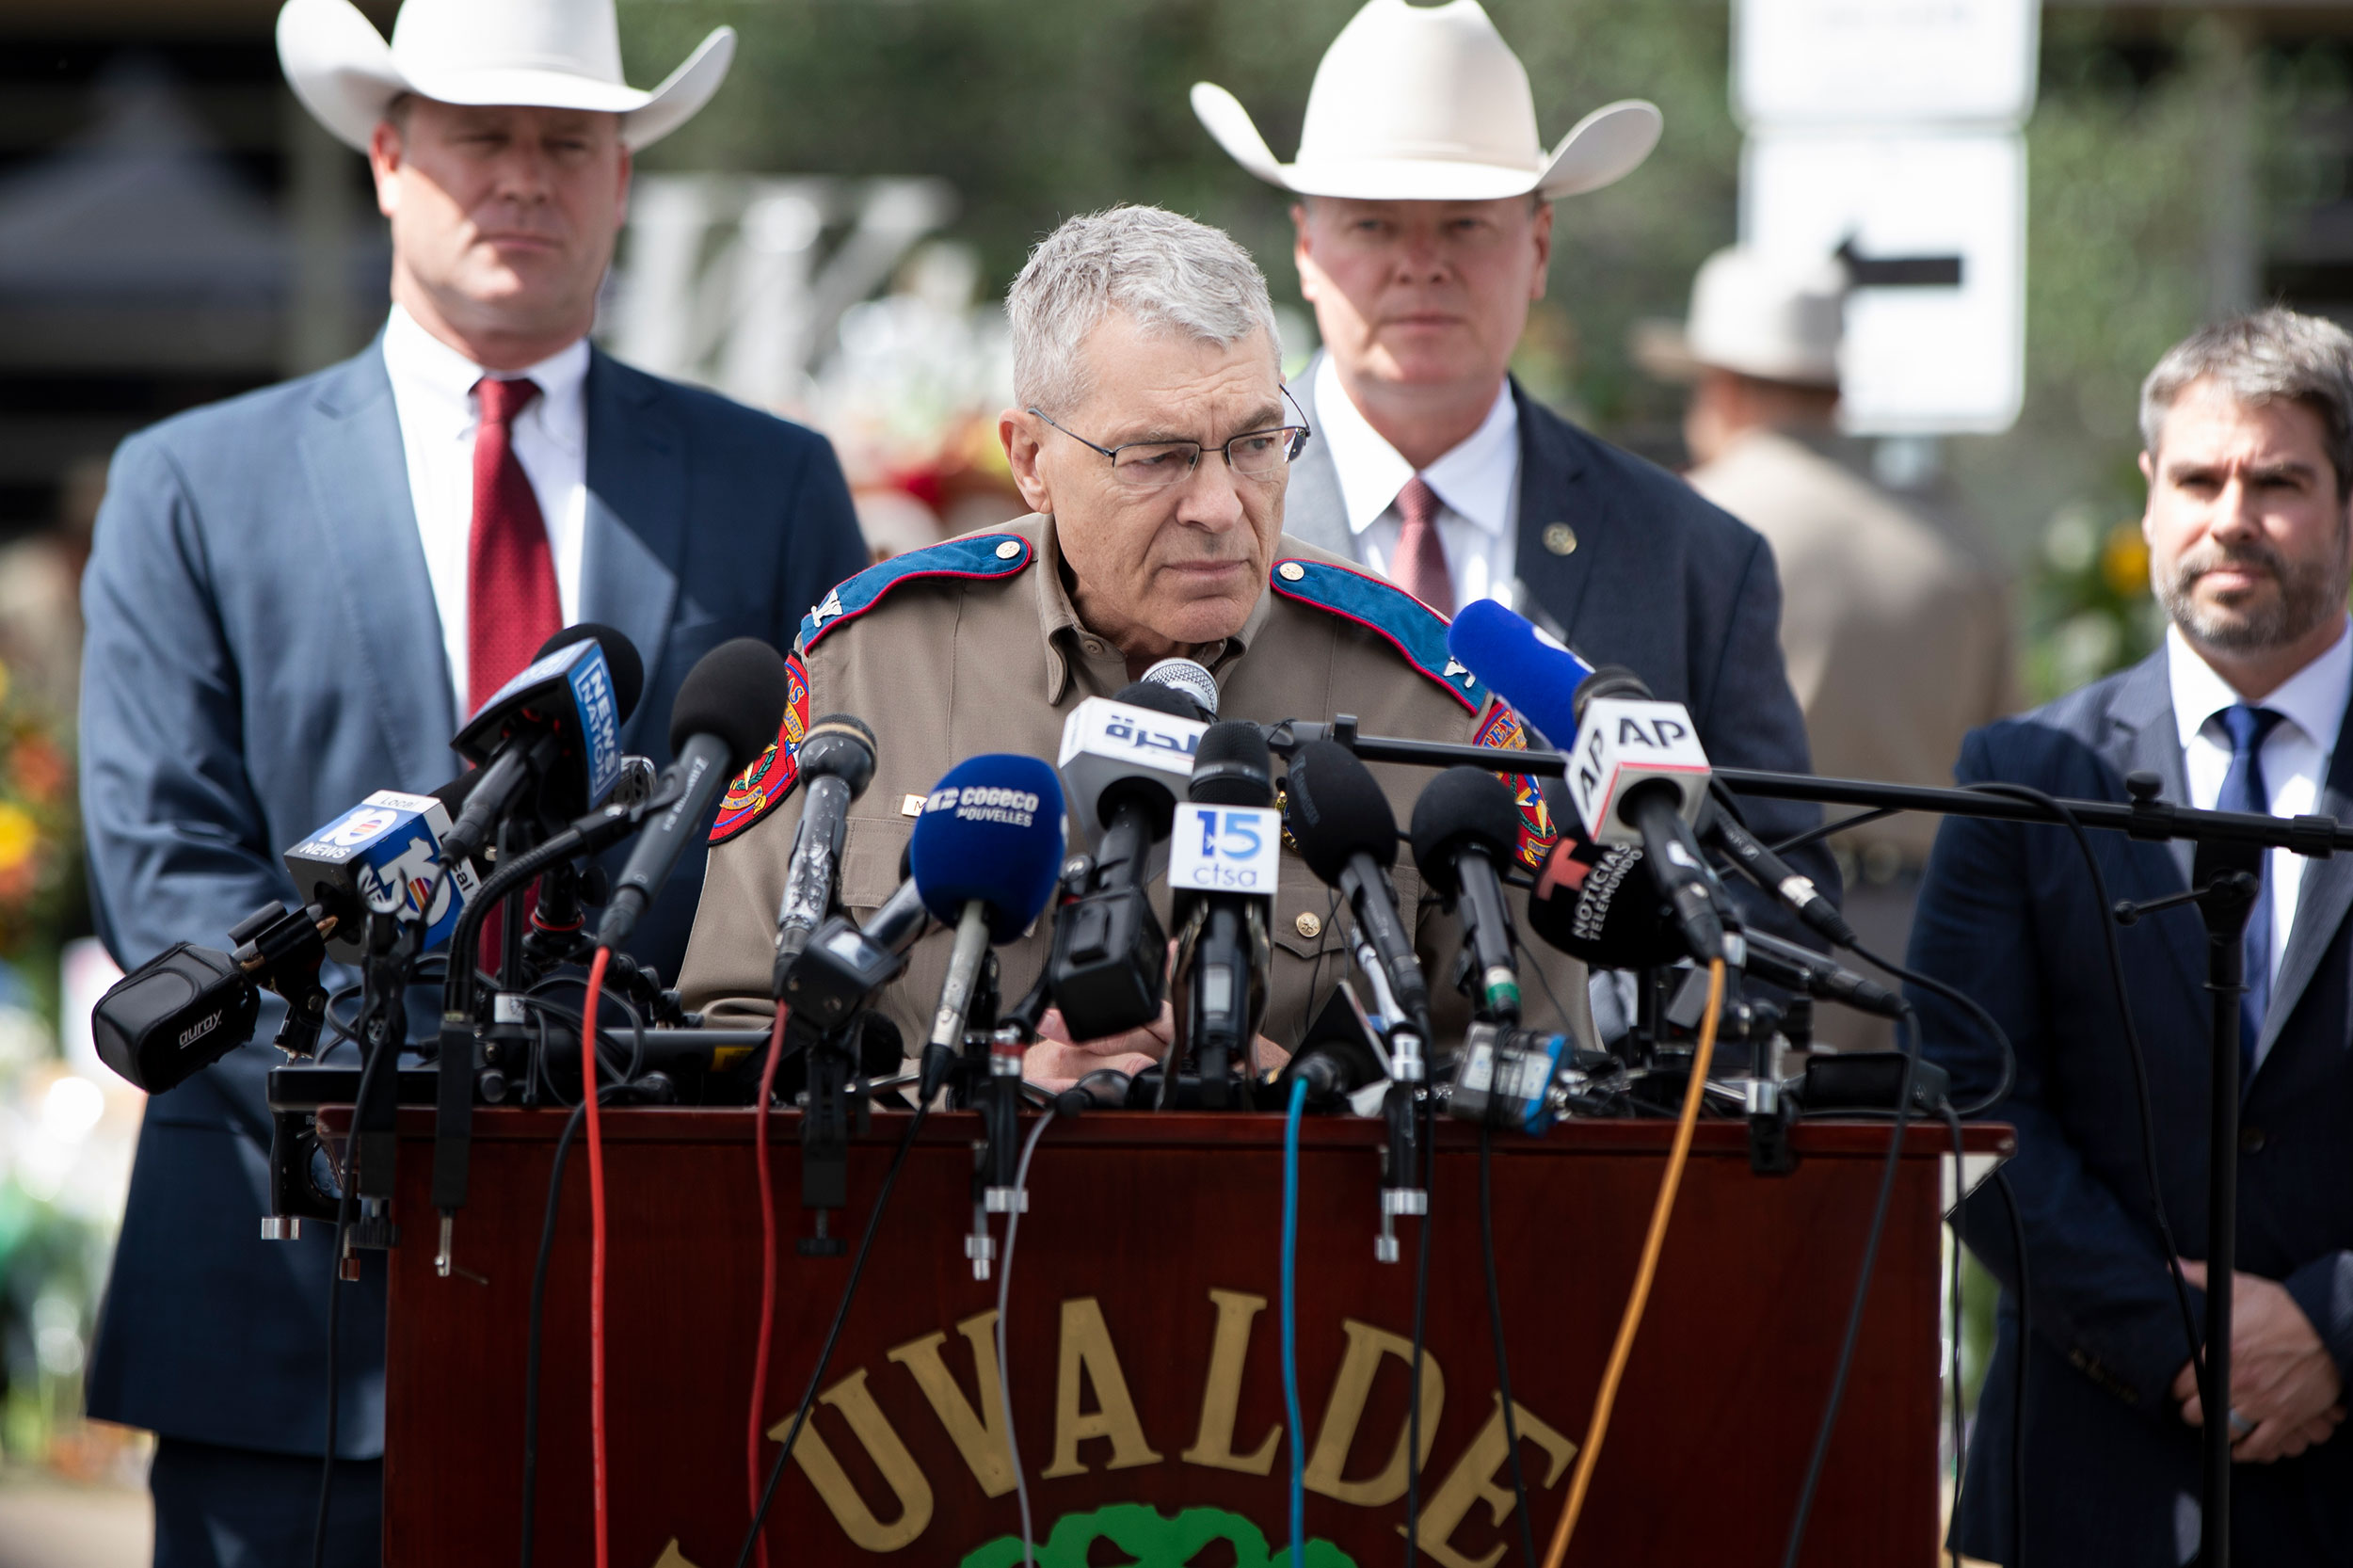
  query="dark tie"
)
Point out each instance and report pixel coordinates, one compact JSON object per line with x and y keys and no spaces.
{"x":511,"y":601}
{"x":2243,"y":789}
{"x":1420,"y":566}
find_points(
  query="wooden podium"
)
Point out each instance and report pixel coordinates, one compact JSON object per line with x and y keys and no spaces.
{"x":1144,"y":1346}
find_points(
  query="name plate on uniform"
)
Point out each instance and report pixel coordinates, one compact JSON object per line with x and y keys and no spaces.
{"x":1225,"y":848}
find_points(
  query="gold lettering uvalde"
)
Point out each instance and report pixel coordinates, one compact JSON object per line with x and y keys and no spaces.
{"x":979,"y":1435}
{"x":1221,"y":1393}
{"x":1087,"y":1348}
{"x":1337,"y":1433}
{"x":872,"y":1429}
{"x":1473,"y":1480}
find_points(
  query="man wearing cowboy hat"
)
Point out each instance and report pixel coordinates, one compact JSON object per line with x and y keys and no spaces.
{"x":1424,"y":224}
{"x":1897,"y":643}
{"x":293,"y":599}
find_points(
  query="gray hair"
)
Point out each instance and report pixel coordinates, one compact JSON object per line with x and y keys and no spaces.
{"x":1164,"y":270}
{"x":2270,"y":355}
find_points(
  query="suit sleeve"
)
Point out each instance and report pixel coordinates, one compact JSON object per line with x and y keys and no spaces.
{"x":2101,"y":1294}
{"x":1751,"y":719}
{"x":177,"y":837}
{"x":823,"y":547}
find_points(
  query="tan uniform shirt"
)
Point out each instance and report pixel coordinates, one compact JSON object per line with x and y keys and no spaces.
{"x":944,"y":667}
{"x":1898,"y":644}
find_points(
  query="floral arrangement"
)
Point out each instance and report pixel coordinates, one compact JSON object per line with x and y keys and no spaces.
{"x":40,"y":836}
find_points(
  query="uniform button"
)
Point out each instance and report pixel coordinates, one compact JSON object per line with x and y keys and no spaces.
{"x":1008,"y":550}
{"x":2251,"y":1140}
{"x":1309,"y":926}
{"x":1290,"y":571}
{"x":1560,"y":538}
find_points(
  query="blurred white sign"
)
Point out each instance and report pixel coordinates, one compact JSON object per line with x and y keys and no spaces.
{"x":1935,"y":230}
{"x":1865,"y":62}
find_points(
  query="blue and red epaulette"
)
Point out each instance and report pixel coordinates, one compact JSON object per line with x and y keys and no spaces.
{"x":981,"y":556}
{"x":1405,"y":623}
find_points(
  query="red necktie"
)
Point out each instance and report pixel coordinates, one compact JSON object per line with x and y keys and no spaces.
{"x":1421,"y":566}
{"x":511,"y":602}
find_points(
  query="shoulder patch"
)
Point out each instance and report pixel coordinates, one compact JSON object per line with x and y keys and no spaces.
{"x":762,"y":788}
{"x":1405,"y":623}
{"x":983,"y":555}
{"x":1503,"y":730}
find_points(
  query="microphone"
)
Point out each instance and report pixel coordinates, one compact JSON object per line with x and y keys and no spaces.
{"x":1188,"y":678}
{"x":727,"y":712}
{"x":1123,"y":761}
{"x":837,"y":763}
{"x":1775,"y":875}
{"x":188,"y":1006}
{"x":1636,"y":773}
{"x":558,"y":723}
{"x":389,"y":855}
{"x":1224,"y":858}
{"x":1347,"y":834}
{"x":1799,"y":969}
{"x":1465,"y":824}
{"x":985,"y":853}
{"x":846,"y":963}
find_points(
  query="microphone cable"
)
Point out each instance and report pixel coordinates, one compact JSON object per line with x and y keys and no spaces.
{"x":596,"y":1252}
{"x":767,"y":1267}
{"x":833,"y":1333}
{"x":1494,"y":1329}
{"x":1703,"y":1056}
{"x":1297,"y":1467}
{"x":1428,"y":1110}
{"x":1004,"y":1306}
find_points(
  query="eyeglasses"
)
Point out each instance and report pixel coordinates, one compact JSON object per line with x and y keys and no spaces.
{"x":1157,"y":465}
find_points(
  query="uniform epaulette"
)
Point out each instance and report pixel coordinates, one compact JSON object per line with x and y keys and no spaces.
{"x":983,"y":555}
{"x":762,"y":788}
{"x":1408,"y":625}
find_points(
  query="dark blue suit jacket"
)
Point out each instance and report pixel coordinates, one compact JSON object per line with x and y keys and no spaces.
{"x":2007,"y":915}
{"x":1659,"y":579}
{"x":263,"y":651}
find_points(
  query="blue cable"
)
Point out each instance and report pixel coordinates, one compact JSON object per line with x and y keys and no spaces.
{"x":1291,"y":1322}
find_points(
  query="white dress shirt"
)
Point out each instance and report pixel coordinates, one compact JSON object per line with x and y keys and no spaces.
{"x":1477,"y":486}
{"x":2295,"y":756}
{"x":433,"y":396}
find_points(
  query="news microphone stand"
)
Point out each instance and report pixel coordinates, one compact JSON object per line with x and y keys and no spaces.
{"x":2226,"y":877}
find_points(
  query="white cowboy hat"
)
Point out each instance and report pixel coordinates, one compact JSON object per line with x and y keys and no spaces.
{"x":1428,"y":104}
{"x":547,"y":54}
{"x":1777,"y":318}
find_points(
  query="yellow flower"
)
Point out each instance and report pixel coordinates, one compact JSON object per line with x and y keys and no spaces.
{"x":2124,"y":561}
{"x":18,"y":838}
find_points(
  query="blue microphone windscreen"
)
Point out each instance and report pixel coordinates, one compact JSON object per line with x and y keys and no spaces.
{"x":1525,"y":667}
{"x":992,"y":830}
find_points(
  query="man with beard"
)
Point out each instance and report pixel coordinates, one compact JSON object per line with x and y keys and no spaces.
{"x":2248,"y":434}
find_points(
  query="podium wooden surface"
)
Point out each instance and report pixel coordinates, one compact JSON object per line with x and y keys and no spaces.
{"x":1144,"y":1343}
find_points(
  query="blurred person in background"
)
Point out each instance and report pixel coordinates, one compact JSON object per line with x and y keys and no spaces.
{"x":1898,"y":644}
{"x":1423,"y":230}
{"x":2248,"y":432}
{"x":41,"y":610}
{"x":293,"y":598}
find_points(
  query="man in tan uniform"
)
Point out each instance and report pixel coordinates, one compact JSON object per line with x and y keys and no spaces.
{"x":1898,"y":644}
{"x":1153,"y":443}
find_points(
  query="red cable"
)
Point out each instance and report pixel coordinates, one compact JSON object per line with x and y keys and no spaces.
{"x":767,"y":1269}
{"x":596,"y":1244}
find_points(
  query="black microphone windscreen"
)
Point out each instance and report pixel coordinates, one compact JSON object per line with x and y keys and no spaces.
{"x":1599,"y":904}
{"x":1606,"y":680}
{"x":1463,"y":804}
{"x":1233,"y":766}
{"x":1335,"y":809}
{"x":737,"y":692}
{"x":1159,"y":698}
{"x":620,"y":660}
{"x":840,"y":746}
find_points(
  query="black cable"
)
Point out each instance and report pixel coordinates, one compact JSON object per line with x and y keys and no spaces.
{"x":1961,"y":1193}
{"x":2060,"y":811}
{"x":1494,"y":1328}
{"x":538,"y":1299}
{"x":1908,"y":1034}
{"x":1544,"y":982}
{"x":2008,"y":1078}
{"x":1427,"y":1109}
{"x":2018,"y":1375}
{"x":833,"y":1334}
{"x":1823,"y":830}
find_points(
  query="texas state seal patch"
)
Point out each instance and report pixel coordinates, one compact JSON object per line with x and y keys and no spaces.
{"x":1502,"y":729}
{"x":762,"y":788}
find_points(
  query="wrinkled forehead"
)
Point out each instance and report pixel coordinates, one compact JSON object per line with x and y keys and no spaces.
{"x":1152,"y":380}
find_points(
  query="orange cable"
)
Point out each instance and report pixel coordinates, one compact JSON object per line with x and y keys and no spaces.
{"x":1652,"y":1246}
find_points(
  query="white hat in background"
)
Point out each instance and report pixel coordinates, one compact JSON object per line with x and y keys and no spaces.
{"x":1428,"y":104}
{"x":544,"y":54}
{"x":1774,"y":317}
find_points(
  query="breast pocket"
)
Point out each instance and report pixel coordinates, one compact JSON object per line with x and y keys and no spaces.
{"x":1311,"y":949}
{"x":874,"y":852}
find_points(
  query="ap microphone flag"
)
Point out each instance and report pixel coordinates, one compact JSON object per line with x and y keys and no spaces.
{"x":991,"y":833}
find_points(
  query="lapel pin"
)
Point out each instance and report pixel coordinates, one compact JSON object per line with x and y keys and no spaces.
{"x":1560,"y":538}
